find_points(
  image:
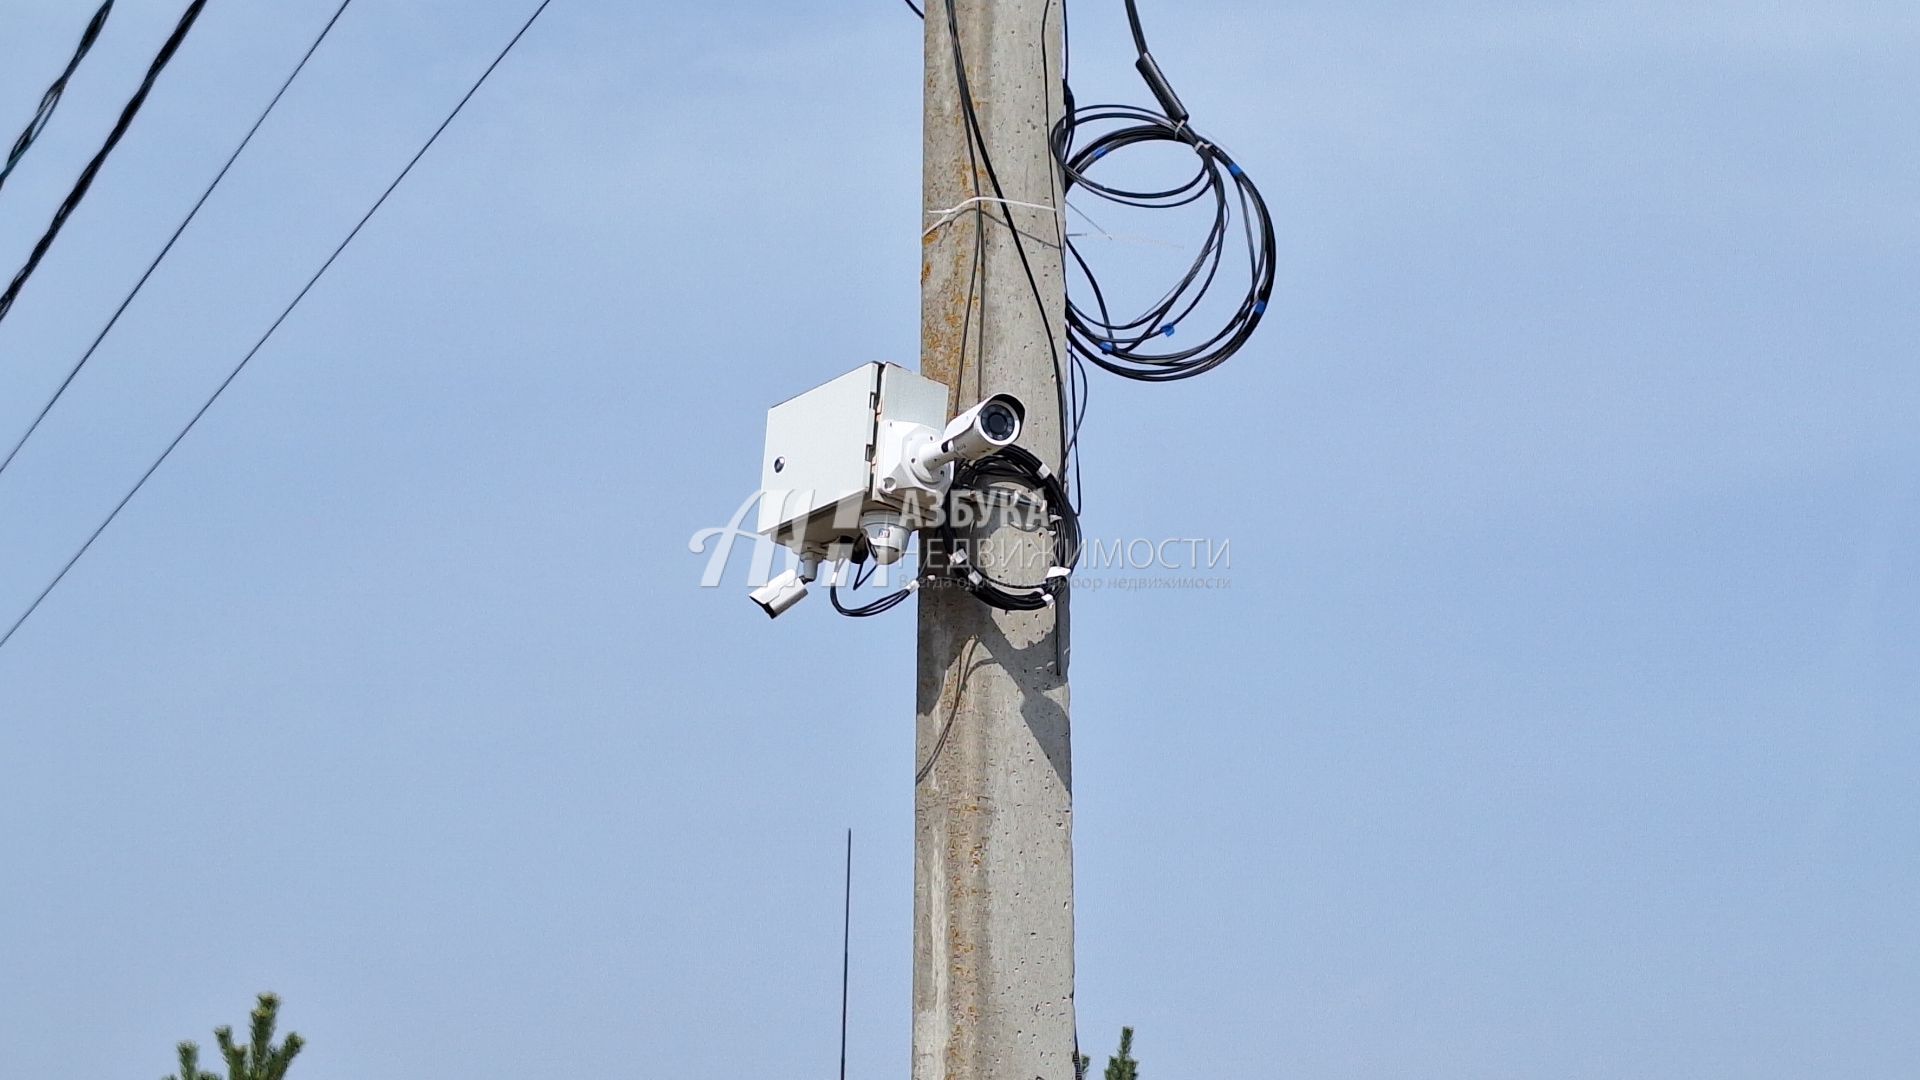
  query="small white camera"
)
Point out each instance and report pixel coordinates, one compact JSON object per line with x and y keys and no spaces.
{"x":777,"y":597}
{"x":887,"y":535}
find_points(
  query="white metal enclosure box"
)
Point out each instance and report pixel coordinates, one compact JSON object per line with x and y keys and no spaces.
{"x":818,"y":476}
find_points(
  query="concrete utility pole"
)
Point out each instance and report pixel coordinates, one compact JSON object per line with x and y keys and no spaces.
{"x":993,"y":809}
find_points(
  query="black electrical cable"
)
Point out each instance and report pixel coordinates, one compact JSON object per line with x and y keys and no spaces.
{"x":80,"y":187}
{"x":1014,"y":464}
{"x":277,"y":323}
{"x":1124,"y":345}
{"x":915,"y":8}
{"x":1071,"y":380}
{"x":969,"y":501}
{"x":1133,"y":23}
{"x":174,"y":239}
{"x":982,"y":157}
{"x":1078,"y":382}
{"x":878,"y":607}
{"x":51,"y":99}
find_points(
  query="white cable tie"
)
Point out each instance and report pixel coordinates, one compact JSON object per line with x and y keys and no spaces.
{"x":947,"y":216}
{"x":1059,"y":572}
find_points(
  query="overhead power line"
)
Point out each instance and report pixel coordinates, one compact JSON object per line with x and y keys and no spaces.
{"x":174,"y":239}
{"x":277,"y":323}
{"x":51,"y":99}
{"x":80,"y":187}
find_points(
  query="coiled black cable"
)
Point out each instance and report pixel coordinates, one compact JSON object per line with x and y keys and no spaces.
{"x":1130,"y":346}
{"x":1020,"y":467}
{"x":51,"y":99}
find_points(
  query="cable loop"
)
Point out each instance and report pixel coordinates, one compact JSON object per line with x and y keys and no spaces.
{"x":1017,"y":465}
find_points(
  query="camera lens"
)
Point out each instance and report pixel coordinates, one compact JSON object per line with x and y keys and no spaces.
{"x":999,"y":422}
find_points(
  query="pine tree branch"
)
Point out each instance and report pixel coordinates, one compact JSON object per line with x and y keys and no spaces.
{"x":263,"y":1023}
{"x":258,"y":1060}
{"x":236,"y":1055}
{"x":283,"y":1058}
{"x":189,"y":1063}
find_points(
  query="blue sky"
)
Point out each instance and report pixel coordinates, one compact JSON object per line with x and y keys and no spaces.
{"x":1558,"y":722}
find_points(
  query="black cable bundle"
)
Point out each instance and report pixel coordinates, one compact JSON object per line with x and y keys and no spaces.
{"x":1124,"y":347}
{"x":51,"y":99}
{"x":1011,"y":465}
{"x":878,"y":607}
{"x":1018,"y":466}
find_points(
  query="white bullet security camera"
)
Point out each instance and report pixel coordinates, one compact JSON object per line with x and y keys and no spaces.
{"x":982,"y":431}
{"x":777,"y":597}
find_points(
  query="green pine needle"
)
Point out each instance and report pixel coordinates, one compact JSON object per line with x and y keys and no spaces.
{"x":1123,"y":1066}
{"x":258,"y":1060}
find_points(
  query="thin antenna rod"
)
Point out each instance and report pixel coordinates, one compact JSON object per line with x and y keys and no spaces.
{"x":846,"y":956}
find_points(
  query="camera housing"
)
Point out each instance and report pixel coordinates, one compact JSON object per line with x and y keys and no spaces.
{"x":779,"y":596}
{"x":982,"y":431}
